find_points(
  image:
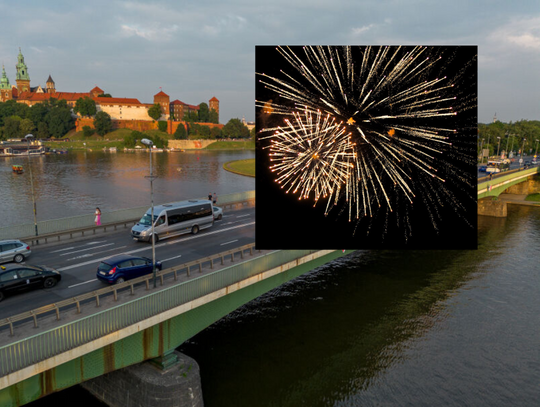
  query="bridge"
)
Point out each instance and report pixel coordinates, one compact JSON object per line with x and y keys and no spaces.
{"x":495,"y":194}
{"x":49,"y":346}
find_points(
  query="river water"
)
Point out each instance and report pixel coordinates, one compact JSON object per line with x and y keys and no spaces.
{"x":375,"y":328}
{"x":76,"y":183}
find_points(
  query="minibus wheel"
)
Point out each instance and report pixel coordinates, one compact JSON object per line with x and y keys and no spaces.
{"x":194,"y":229}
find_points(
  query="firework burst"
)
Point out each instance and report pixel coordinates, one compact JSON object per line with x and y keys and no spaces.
{"x":374,"y":127}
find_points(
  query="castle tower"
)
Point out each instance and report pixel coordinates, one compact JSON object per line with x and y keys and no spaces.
{"x":22,"y":78}
{"x":214,"y":104}
{"x":5,"y":87}
{"x":50,"y":85}
{"x":164,"y":101}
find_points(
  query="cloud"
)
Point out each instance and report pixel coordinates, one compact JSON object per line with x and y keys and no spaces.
{"x":363,"y":29}
{"x":523,"y":33}
{"x":149,"y":33}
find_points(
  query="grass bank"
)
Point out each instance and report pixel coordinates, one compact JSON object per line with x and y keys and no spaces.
{"x":232,"y":145}
{"x":242,"y":167}
{"x":533,"y":197}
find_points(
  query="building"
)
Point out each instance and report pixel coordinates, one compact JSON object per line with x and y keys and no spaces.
{"x":214,"y":104}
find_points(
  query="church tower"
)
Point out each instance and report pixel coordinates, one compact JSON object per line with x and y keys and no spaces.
{"x":22,"y":78}
{"x":50,"y":86}
{"x":5,"y":88}
{"x":214,"y":104}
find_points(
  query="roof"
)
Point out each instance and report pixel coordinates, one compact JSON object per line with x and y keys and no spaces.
{"x":50,"y":79}
{"x":119,"y":258}
{"x":161,"y":93}
{"x":116,"y":101}
{"x":40,"y":97}
{"x":176,"y":205}
{"x":96,"y":89}
{"x":214,"y":99}
{"x":178,"y":102}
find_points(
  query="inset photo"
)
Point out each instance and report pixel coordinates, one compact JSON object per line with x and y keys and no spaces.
{"x":366,"y":147}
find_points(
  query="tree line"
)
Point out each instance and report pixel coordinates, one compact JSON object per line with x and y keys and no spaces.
{"x":512,"y":136}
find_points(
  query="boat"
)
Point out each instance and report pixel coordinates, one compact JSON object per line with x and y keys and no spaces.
{"x":17,"y":168}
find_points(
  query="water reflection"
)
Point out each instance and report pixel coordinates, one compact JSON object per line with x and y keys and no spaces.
{"x":75,"y":183}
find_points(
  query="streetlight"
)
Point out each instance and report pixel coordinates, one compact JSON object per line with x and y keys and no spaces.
{"x":28,"y":137}
{"x":536,"y":151}
{"x":481,"y":152}
{"x":149,"y":143}
{"x":522,"y":151}
{"x":498,"y":145}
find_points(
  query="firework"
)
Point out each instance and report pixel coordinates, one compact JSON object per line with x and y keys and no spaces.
{"x":372,"y":127}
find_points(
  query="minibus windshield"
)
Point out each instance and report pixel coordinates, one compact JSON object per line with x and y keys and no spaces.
{"x":145,"y":220}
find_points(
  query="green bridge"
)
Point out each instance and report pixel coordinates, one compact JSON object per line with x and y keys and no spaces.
{"x":133,"y":326}
{"x":516,"y":182}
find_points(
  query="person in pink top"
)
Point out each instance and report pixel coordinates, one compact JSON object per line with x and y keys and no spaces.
{"x":98,"y":217}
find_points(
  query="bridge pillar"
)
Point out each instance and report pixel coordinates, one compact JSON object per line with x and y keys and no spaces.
{"x":492,"y":207}
{"x":171,"y":380}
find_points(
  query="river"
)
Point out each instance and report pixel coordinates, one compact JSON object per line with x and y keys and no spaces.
{"x":375,"y":328}
{"x":76,"y":183}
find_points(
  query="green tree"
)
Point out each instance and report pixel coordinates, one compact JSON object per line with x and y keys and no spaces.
{"x":37,"y":113}
{"x":105,"y":95}
{"x":131,"y":139}
{"x":162,"y":126}
{"x":88,"y":131}
{"x":191,"y":116}
{"x":102,"y":123}
{"x":155,"y":111}
{"x":27,"y":127}
{"x":85,"y":107}
{"x":43,"y":130}
{"x":203,"y":113}
{"x":235,"y":129}
{"x":59,"y":121}
{"x":12,"y":127}
{"x":180,"y":133}
{"x":158,"y":141}
{"x":213,"y":116}
{"x":215,"y":132}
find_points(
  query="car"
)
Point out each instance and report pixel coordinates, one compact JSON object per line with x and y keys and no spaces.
{"x":482,"y":168}
{"x":122,"y":267}
{"x":16,"y":278}
{"x":13,"y":250}
{"x":218,"y":213}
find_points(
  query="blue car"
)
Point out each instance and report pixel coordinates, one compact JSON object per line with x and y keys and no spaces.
{"x":483,"y":168}
{"x":118,"y":269}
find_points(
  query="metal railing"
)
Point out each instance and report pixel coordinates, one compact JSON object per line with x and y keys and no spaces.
{"x":39,"y":347}
{"x":85,"y":223}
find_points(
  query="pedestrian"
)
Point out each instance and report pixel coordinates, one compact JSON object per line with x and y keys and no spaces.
{"x":98,"y":217}
{"x":210,"y":196}
{"x":215,"y":198}
{"x":490,"y":176}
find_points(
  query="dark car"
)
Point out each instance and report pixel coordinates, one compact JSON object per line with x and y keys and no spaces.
{"x":482,"y":168}
{"x":118,"y":269}
{"x":16,"y":278}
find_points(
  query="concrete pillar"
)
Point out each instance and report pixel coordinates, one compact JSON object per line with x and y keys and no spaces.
{"x":171,"y":380}
{"x":492,"y":207}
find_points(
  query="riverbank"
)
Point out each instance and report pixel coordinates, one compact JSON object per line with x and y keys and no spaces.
{"x":77,"y":141}
{"x":241,"y":167}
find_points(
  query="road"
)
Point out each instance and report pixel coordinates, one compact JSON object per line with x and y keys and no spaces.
{"x":78,"y":260}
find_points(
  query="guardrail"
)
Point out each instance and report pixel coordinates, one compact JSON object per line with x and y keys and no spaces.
{"x":41,"y":346}
{"x":85,"y":224}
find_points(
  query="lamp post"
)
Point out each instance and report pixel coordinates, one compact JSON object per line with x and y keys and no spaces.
{"x":498,"y":145}
{"x":522,"y":151}
{"x":149,"y":143}
{"x":512,"y":147}
{"x":28,"y":137}
{"x":481,"y":152}
{"x":536,"y":150}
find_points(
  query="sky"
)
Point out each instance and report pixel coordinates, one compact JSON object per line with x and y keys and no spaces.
{"x":195,"y":50}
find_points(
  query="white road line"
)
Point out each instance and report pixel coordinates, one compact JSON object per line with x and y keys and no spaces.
{"x":90,"y":248}
{"x":62,"y":250}
{"x":149,"y":247}
{"x":241,"y":216}
{"x":86,"y":282}
{"x":232,"y":241}
{"x":172,"y":258}
{"x":95,"y":254}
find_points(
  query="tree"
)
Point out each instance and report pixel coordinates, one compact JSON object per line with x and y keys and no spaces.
{"x":43,"y":130}
{"x":155,"y":111}
{"x":12,"y":127}
{"x":180,"y":133}
{"x":59,"y":120}
{"x":215,"y":132}
{"x":131,"y":140}
{"x":27,"y":127}
{"x":102,"y":123}
{"x":105,"y":95}
{"x":191,"y":116}
{"x":85,"y":107}
{"x":37,"y":113}
{"x":162,"y":126}
{"x":88,"y":131}
{"x":235,"y":129}
{"x":213,"y":116}
{"x":203,"y":113}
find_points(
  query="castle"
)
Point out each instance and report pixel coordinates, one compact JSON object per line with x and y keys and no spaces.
{"x":120,"y":109}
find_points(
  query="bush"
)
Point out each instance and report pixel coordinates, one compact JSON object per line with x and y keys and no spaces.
{"x":88,"y":131}
{"x":162,"y":125}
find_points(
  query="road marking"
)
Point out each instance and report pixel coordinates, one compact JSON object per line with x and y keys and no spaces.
{"x":90,"y":248}
{"x":63,"y":250}
{"x":86,"y":282}
{"x":95,"y":254}
{"x":149,"y":247}
{"x":232,"y":241}
{"x":172,"y":258}
{"x":241,"y":216}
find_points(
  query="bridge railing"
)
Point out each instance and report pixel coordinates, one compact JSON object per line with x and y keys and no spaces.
{"x":54,"y":227}
{"x":506,"y":178}
{"x":30,"y":350}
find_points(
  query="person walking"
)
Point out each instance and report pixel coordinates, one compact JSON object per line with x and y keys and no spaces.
{"x":98,"y":217}
{"x":215,"y":198}
{"x":210,"y":196}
